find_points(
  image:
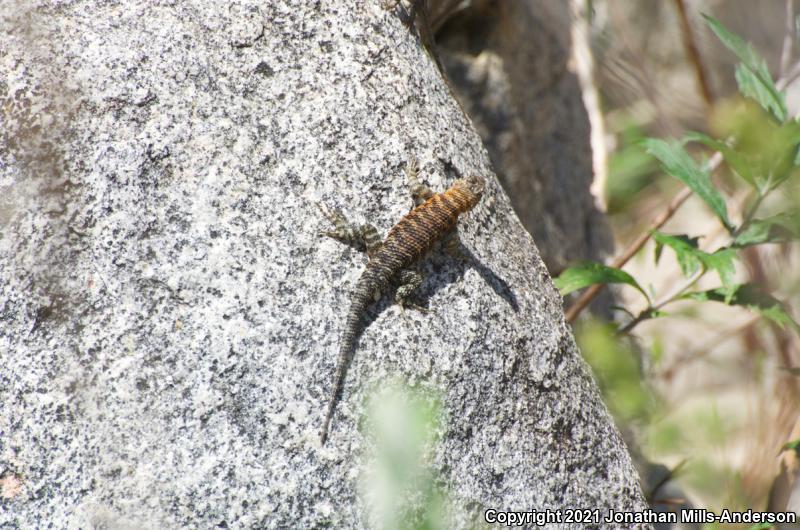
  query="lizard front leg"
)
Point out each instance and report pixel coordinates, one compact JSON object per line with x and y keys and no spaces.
{"x":363,"y":237}
{"x":409,"y":281}
{"x":419,"y":191}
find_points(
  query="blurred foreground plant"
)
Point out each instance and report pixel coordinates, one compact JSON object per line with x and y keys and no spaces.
{"x":403,"y":426}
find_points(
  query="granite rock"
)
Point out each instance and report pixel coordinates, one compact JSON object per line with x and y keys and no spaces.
{"x":169,"y":315}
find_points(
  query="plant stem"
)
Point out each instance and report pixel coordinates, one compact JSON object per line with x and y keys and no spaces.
{"x":669,"y":298}
{"x":658,"y":221}
{"x":748,"y":216}
{"x":693,"y":54}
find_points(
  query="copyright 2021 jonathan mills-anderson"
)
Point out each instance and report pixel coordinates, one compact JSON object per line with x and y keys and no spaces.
{"x":597,"y":517}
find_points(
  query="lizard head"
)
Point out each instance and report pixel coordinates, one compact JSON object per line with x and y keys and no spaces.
{"x":472,"y":184}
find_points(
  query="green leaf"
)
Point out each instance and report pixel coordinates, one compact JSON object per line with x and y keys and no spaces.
{"x":793,"y":445}
{"x":677,"y":162}
{"x":753,"y":85}
{"x":685,"y":248}
{"x":743,"y":50}
{"x":763,"y":153}
{"x":737,"y":161}
{"x":752,"y":74}
{"x":776,"y":229}
{"x":761,"y":526}
{"x":691,"y":258}
{"x":752,"y":297}
{"x":780,"y":155}
{"x":722,"y":262}
{"x":589,"y":273}
{"x":630,"y":169}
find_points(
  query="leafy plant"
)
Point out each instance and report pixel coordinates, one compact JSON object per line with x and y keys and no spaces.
{"x":677,"y":162}
{"x":759,"y":142}
{"x":793,"y":445}
{"x":404,"y":426}
{"x":752,"y":74}
{"x":751,"y":150}
{"x":588,"y":273}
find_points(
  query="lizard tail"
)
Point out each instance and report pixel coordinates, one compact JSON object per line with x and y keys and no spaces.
{"x":358,"y":305}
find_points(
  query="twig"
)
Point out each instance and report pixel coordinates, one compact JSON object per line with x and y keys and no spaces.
{"x":647,"y":313}
{"x":658,"y":221}
{"x":678,"y":291}
{"x":585,"y":69}
{"x":785,"y":80}
{"x":788,"y":38}
{"x":693,"y":54}
{"x":749,"y":214}
{"x":790,"y":77}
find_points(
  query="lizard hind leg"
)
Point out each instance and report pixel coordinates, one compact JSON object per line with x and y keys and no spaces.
{"x":404,"y":296}
{"x":419,"y":191}
{"x":362,"y":237}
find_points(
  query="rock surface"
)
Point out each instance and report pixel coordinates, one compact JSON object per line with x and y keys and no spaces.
{"x":170,"y":317}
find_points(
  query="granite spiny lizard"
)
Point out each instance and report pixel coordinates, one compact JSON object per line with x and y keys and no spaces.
{"x":433,"y":219}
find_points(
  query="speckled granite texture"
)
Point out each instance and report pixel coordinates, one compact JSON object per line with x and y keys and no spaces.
{"x":169,"y":315}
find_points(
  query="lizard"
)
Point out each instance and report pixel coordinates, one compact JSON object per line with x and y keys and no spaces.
{"x":432,"y":219}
